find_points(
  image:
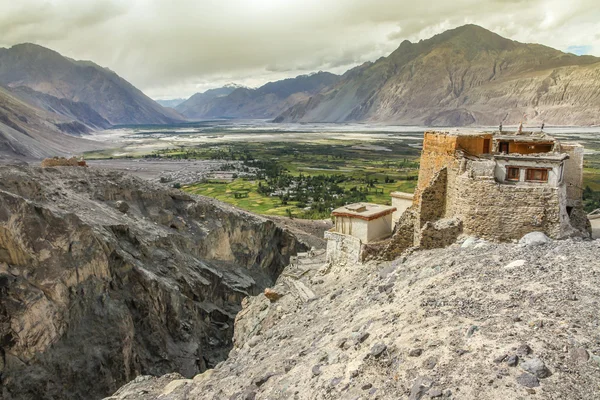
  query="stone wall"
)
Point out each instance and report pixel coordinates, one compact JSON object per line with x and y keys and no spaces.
{"x":432,"y":199}
{"x":438,"y":152}
{"x":63,"y":162}
{"x":440,"y":233}
{"x":506,"y":212}
{"x":402,"y":239}
{"x":342,"y":249}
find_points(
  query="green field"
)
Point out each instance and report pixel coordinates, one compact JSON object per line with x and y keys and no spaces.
{"x":372,"y":173}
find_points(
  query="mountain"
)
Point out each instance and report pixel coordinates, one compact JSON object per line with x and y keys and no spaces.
{"x":196,"y":104}
{"x":267,"y":101}
{"x":75,"y":110}
{"x":463,"y":76}
{"x":28,"y":132}
{"x":113,"y":98}
{"x":171,"y":103}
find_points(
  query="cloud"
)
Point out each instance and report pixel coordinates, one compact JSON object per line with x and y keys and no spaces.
{"x":175,"y":48}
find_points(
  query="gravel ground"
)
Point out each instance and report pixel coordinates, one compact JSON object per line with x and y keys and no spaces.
{"x":483,"y":321}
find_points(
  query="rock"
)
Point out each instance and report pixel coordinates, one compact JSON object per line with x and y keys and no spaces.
{"x":512,"y":361}
{"x":341,"y":343}
{"x":528,"y":380}
{"x":415,"y":352}
{"x":335,"y":381}
{"x":254,"y":340}
{"x":420,"y":387}
{"x":524,"y":350}
{"x":472,"y":329}
{"x":579,"y":355}
{"x":434,"y":393}
{"x":500,"y":358}
{"x":174,"y":385}
{"x":366,"y":386}
{"x":361,"y":337}
{"x":377,"y":349}
{"x":122,"y":206}
{"x":316,"y":370}
{"x":289,"y":364}
{"x":535,"y":239}
{"x":272,"y":294}
{"x":261,"y":380}
{"x":536,"y":367}
{"x":430,"y":363}
{"x":354,"y":373}
{"x":469,"y":242}
{"x":515,"y":264}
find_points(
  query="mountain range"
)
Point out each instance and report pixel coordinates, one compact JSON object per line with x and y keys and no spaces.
{"x":464,"y":76}
{"x":267,"y":101}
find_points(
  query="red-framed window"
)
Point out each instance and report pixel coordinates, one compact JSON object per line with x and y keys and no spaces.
{"x":513,"y":173}
{"x":536,"y":175}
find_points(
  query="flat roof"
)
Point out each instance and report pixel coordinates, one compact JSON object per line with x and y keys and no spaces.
{"x":551,"y":157}
{"x":364,"y":211}
{"x":461,"y":133}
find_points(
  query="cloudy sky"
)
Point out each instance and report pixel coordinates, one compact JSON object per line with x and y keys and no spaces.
{"x":174,"y":48}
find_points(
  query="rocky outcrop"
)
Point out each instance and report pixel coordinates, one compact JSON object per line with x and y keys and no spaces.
{"x":475,"y":320}
{"x":94,"y":293}
{"x":464,"y":76}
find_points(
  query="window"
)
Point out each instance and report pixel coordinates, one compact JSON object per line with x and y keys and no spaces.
{"x":503,"y":147}
{"x":537,"y":175}
{"x":513,"y":173}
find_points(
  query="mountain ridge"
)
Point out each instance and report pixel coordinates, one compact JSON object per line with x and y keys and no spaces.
{"x":464,"y":76}
{"x":266,"y":101}
{"x":47,"y":71}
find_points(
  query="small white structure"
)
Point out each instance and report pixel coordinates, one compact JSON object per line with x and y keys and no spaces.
{"x":401,"y":201}
{"x":356,"y":225}
{"x":365,"y":221}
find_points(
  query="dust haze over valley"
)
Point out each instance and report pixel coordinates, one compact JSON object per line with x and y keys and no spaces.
{"x":269,"y":199}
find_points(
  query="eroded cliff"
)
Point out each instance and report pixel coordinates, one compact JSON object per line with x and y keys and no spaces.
{"x":104,"y":277}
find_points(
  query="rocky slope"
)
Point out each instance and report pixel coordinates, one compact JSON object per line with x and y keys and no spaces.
{"x":74,"y":110}
{"x":109,"y":95}
{"x":475,"y":320}
{"x":464,"y":76}
{"x":104,"y":277}
{"x":267,"y":101}
{"x":28,"y":132}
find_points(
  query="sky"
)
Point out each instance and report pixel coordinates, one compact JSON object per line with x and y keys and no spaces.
{"x":175,"y":48}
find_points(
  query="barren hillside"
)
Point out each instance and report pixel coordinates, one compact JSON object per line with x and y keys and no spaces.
{"x":472,"y":321}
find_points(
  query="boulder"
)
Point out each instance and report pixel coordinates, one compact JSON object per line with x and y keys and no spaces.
{"x":272,"y":294}
{"x":535,"y":239}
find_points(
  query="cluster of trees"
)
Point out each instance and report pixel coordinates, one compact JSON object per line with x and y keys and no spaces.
{"x":315,"y":195}
{"x":591,"y":199}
